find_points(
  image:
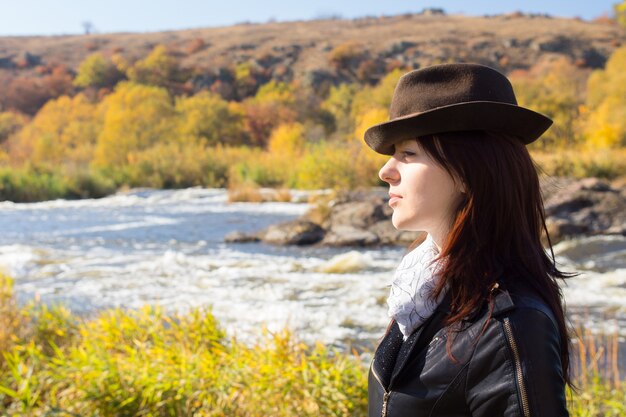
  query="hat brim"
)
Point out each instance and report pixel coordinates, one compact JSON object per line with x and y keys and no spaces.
{"x":524,"y":123}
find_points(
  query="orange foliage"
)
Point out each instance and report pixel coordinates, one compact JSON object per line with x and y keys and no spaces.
{"x":261,"y":118}
{"x":29,"y":94}
{"x":272,"y":105}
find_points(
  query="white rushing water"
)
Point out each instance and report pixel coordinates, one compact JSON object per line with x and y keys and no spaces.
{"x":166,"y":247}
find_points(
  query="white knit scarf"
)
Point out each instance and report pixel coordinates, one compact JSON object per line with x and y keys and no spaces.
{"x":414,"y":279}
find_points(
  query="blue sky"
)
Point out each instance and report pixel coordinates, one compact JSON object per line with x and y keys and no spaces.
{"x":51,"y":17}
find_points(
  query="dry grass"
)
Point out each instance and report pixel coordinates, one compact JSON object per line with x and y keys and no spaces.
{"x":597,"y":357}
{"x":246,"y":192}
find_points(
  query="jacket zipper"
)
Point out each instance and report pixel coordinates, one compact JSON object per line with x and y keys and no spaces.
{"x":518,"y":367}
{"x":386,"y":393}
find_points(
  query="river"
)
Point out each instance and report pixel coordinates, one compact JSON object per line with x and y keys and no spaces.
{"x":166,"y":247}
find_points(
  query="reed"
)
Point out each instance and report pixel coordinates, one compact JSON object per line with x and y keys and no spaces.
{"x":596,"y":368}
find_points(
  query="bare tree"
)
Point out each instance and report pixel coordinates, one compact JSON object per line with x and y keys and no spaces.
{"x":88,"y":26}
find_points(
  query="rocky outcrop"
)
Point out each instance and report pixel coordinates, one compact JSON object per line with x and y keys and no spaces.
{"x":583,"y":207}
{"x":573,"y":208}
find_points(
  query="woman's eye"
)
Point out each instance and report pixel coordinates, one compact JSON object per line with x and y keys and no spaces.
{"x":408,"y":153}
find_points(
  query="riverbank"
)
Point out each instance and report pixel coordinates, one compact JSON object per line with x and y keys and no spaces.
{"x":574,"y":208}
{"x":146,"y":362}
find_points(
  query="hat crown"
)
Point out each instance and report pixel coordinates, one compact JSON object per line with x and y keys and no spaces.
{"x":447,"y":84}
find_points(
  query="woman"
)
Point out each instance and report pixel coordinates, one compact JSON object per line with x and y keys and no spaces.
{"x":478,"y":326}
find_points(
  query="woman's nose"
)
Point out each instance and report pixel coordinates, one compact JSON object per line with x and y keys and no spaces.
{"x":388,"y":173}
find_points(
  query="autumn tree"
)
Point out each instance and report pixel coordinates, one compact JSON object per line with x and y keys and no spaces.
{"x":209,"y":118}
{"x":605,"y":107}
{"x":620,"y":13}
{"x":556,"y":89}
{"x":10,"y":123}
{"x":371,"y":105}
{"x":273,"y":104}
{"x":159,"y":68}
{"x":245,"y":80}
{"x":97,"y":71}
{"x":287,"y":140}
{"x":135,"y":117}
{"x":378,"y":96}
{"x":339,"y":104}
{"x":28,"y":94}
{"x":63,"y":132}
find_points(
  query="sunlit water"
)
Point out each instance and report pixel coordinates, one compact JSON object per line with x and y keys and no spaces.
{"x":166,"y":247}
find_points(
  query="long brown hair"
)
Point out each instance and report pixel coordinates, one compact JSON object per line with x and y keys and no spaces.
{"x":497,"y":227}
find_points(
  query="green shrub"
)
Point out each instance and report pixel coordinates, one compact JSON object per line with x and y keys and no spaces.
{"x":26,"y":185}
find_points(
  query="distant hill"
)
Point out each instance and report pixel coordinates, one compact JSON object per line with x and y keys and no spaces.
{"x":323,"y":52}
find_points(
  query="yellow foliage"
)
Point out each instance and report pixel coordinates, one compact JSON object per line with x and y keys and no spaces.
{"x":339,"y":104}
{"x":9,"y":315}
{"x":287,"y":140}
{"x":208,"y":117}
{"x":4,"y":158}
{"x":583,"y":163}
{"x":243,"y":71}
{"x":63,"y":131}
{"x":556,"y":90}
{"x":276,"y":92}
{"x":120,"y":63}
{"x":338,"y":166}
{"x":369,"y":118}
{"x":606,"y":103}
{"x":10,"y":123}
{"x":610,"y":81}
{"x":620,"y":13}
{"x":158,"y":68}
{"x":96,"y":71}
{"x":183,"y":163}
{"x":135,"y":118}
{"x":606,"y":126}
{"x":378,"y":96}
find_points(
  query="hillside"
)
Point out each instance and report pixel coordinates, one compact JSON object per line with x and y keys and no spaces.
{"x":371,"y":46}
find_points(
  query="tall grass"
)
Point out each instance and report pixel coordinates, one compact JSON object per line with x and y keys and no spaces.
{"x":596,"y":367}
{"x":146,"y":363}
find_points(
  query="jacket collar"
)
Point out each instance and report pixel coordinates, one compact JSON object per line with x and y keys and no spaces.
{"x":502,"y":303}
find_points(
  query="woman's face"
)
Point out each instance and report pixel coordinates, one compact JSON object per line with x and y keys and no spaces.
{"x":428,"y":194}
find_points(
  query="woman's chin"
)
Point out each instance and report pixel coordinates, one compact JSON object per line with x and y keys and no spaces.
{"x":405,"y":224}
{"x":402,"y":224}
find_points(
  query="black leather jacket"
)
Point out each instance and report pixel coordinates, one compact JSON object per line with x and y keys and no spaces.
{"x":513,"y":370}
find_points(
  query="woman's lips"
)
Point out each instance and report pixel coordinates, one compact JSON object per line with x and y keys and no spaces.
{"x":393,"y":198}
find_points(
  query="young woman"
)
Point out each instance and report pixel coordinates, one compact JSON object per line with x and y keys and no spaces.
{"x":477,"y":319}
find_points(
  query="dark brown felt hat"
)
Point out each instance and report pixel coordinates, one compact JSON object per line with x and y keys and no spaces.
{"x":454,"y":97}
